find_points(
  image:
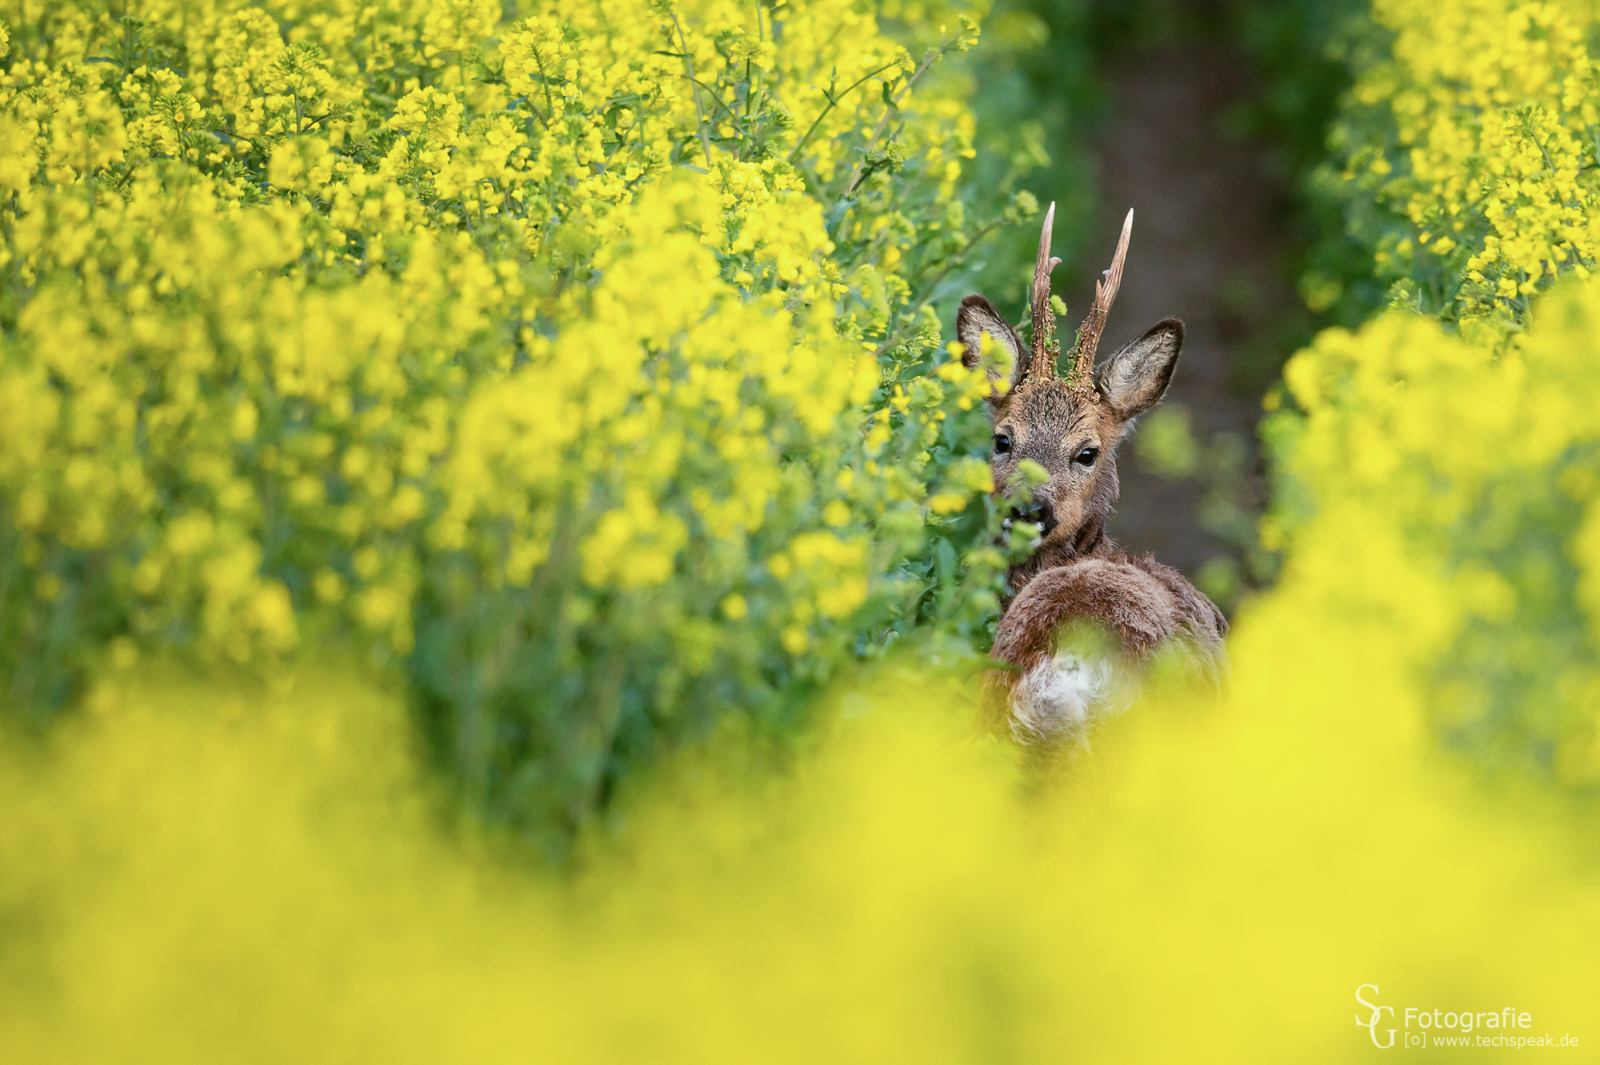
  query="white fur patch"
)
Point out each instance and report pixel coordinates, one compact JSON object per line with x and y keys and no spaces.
{"x":1057,"y":700}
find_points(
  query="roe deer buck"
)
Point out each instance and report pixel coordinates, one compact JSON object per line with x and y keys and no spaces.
{"x":1076,"y":575}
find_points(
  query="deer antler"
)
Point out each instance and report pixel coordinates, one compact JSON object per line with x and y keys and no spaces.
{"x":1105,"y":291}
{"x":1045,"y":348}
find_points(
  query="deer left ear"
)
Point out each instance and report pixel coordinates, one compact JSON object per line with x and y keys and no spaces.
{"x":1135,"y":378}
{"x":978,"y":316}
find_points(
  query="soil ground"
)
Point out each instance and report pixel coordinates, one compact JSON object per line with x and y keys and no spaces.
{"x":1211,"y":238}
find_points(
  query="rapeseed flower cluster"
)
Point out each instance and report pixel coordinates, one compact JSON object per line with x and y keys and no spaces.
{"x":1448,"y":453}
{"x":568,"y":354}
{"x":1475,"y":136}
{"x":1460,"y":485}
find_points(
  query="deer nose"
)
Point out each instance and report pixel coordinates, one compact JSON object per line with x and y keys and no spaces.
{"x":1038,"y":512}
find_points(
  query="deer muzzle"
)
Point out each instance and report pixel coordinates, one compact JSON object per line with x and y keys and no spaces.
{"x":1039,"y":512}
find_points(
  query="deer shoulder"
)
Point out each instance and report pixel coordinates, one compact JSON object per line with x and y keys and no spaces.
{"x":1144,"y":605}
{"x":1076,"y":578}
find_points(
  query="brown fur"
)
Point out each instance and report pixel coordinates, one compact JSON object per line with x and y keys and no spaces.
{"x":1143,"y":603}
{"x":1076,"y":574}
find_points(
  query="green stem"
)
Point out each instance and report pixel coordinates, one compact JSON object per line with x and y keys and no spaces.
{"x":950,"y":264}
{"x":933,"y":56}
{"x":549,"y":103}
{"x":832,"y":102}
{"x":699,"y":112}
{"x":732,"y":116}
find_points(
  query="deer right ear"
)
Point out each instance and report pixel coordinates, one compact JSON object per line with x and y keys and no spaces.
{"x":1135,"y":378}
{"x":1005,"y":362}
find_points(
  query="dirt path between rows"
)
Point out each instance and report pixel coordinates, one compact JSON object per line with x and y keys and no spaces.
{"x":1211,"y":235}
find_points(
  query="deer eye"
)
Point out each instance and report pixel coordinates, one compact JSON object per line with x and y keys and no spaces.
{"x":1002,"y":443}
{"x":1087,"y":456}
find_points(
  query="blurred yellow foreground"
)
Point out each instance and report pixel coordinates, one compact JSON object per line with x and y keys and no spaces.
{"x":204,"y":874}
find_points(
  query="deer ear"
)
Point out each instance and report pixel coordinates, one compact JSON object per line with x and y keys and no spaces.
{"x":977,"y":317}
{"x":1135,"y":378}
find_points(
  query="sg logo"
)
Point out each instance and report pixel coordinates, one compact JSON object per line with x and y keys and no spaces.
{"x":1371,"y":1023}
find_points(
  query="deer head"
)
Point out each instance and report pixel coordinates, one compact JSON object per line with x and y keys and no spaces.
{"x":1069,"y":426}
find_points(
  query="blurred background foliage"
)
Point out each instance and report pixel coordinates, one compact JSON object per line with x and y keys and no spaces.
{"x":1465,"y":158}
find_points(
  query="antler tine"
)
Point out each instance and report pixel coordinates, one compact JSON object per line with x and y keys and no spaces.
{"x":1105,"y":291}
{"x":1045,"y":348}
